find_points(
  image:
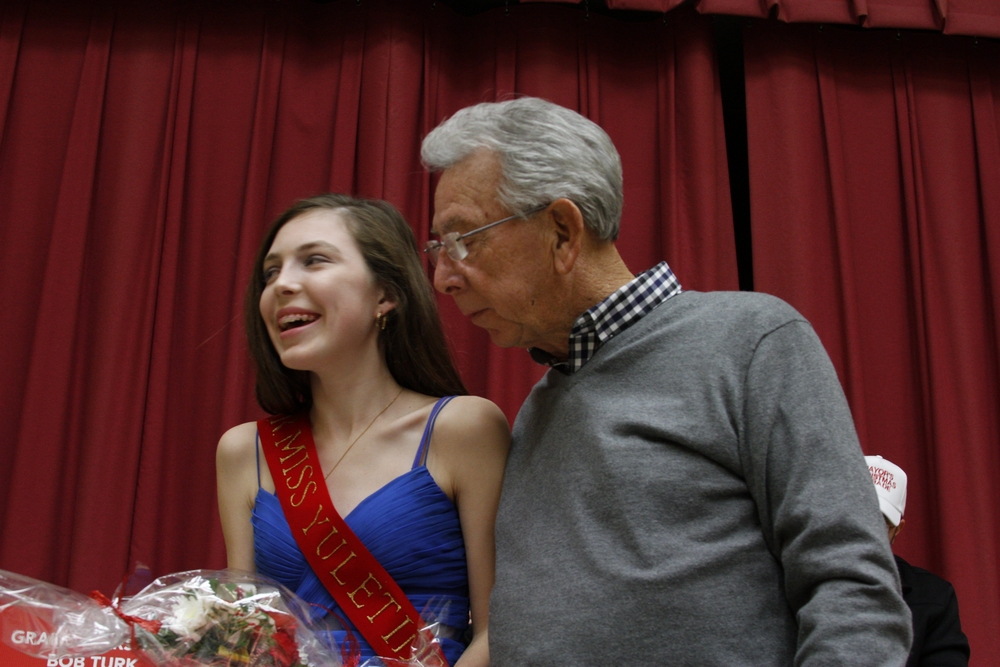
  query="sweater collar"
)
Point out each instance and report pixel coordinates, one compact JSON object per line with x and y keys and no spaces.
{"x":620,"y":310}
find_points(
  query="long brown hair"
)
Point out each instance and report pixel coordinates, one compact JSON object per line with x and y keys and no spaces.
{"x":413,"y":341}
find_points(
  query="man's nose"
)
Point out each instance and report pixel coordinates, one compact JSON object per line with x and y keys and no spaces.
{"x":447,"y":279}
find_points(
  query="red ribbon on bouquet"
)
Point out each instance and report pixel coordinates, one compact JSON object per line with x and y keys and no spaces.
{"x":144,"y":623}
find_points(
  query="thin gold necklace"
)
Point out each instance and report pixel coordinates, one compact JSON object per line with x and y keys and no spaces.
{"x":327,"y":475}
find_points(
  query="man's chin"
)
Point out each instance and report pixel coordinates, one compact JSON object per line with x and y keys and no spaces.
{"x":503,"y":337}
{"x":501,"y":341}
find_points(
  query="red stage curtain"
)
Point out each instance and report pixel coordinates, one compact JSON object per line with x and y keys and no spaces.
{"x":145,"y":146}
{"x":875,"y":196}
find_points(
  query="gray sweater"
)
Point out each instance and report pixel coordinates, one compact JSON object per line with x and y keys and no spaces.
{"x":694,"y":495}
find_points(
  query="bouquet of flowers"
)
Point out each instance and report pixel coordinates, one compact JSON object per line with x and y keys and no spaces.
{"x":198,"y":618}
{"x":218,"y":619}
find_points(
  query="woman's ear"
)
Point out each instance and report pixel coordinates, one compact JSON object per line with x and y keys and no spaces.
{"x":386,"y":300}
{"x":567,"y":221}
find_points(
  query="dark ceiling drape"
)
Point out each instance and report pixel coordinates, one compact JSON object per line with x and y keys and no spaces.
{"x":875,"y":193}
{"x":953,"y":17}
{"x":144,"y":148}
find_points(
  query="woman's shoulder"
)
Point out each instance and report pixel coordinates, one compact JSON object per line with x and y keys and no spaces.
{"x":469,"y":410}
{"x":238,"y":442}
{"x":471,"y":421}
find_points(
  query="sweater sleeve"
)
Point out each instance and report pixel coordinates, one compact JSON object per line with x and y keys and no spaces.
{"x":817,"y":506}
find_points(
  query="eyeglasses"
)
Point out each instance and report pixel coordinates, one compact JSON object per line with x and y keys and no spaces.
{"x":454,"y":244}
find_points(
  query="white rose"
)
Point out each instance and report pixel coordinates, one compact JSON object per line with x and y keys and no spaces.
{"x":189,"y":617}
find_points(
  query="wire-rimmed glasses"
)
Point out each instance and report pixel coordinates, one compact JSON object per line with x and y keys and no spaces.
{"x":454,"y":243}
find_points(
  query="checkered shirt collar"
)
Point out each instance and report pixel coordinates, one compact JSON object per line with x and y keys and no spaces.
{"x":617,"y":312}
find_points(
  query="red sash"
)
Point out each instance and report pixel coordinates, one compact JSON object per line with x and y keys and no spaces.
{"x":360,"y":585}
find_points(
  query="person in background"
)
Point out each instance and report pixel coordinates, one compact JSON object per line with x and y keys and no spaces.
{"x":938,"y":640}
{"x":685,"y":486}
{"x":343,"y":329}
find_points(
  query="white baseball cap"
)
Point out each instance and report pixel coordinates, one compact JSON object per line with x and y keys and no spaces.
{"x":890,"y":485}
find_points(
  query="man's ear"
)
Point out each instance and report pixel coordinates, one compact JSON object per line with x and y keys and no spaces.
{"x":569,"y":229}
{"x":895,"y":530}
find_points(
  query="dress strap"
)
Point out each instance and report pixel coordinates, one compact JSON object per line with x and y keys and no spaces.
{"x":256,"y":450}
{"x":421,"y":456}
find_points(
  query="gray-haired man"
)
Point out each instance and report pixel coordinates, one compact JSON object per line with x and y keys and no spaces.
{"x":685,"y":487}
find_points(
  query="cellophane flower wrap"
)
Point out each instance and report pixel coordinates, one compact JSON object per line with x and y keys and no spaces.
{"x":425,"y":653}
{"x":211,"y":618}
{"x":61,"y":622}
{"x":425,"y":649}
{"x":226,"y":619}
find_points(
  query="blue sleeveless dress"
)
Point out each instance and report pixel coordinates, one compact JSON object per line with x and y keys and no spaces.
{"x":412,"y":529}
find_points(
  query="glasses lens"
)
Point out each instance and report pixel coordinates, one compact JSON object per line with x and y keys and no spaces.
{"x":432,"y":248}
{"x":456,"y":248}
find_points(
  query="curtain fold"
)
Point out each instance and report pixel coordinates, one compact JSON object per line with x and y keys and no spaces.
{"x":145,"y":149}
{"x":953,"y":17}
{"x":873,"y":166}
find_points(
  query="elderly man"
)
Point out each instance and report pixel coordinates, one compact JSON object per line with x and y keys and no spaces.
{"x":685,"y":486}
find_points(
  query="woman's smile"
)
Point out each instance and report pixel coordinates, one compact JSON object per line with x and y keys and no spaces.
{"x":292,"y":321}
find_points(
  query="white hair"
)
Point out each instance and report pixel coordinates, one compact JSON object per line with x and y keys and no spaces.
{"x":546,"y":152}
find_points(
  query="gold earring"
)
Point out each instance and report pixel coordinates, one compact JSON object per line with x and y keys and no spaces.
{"x":380,"y":320}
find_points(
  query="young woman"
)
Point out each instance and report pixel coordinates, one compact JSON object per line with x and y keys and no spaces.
{"x":343,"y":327}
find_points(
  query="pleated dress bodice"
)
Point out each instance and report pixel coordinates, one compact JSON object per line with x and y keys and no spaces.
{"x":409,"y":525}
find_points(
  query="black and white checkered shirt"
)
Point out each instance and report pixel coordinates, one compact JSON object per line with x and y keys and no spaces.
{"x":620,"y":310}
